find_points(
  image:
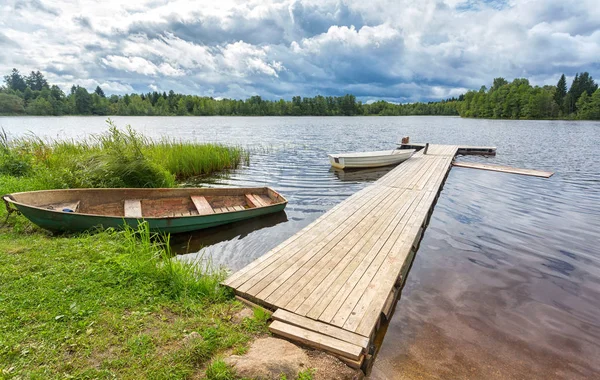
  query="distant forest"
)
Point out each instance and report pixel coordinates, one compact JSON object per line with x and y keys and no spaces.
{"x":33,"y":95}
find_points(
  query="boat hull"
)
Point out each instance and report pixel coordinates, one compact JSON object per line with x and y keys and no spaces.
{"x":59,"y":221}
{"x":73,"y":222}
{"x":348,"y":161}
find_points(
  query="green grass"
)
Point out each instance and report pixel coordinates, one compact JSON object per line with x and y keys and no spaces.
{"x":219,"y":370}
{"x":117,"y":158}
{"x":185,"y":160}
{"x":107,"y":304}
{"x":110,"y":304}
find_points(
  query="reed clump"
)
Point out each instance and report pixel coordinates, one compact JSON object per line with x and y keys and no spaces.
{"x":187,"y":160}
{"x":116,"y":158}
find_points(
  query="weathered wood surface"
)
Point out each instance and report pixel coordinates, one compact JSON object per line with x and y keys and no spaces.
{"x":202,"y":205}
{"x":322,"y":328}
{"x":504,"y":169}
{"x":316,"y":340}
{"x":132,"y":208}
{"x":461,"y":149}
{"x":339,"y":271}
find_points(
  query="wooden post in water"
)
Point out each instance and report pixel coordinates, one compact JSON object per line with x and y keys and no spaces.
{"x":426,"y":147}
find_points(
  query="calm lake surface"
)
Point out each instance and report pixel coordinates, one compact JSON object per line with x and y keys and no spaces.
{"x":506,"y":283}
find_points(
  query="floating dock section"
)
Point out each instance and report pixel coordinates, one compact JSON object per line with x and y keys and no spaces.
{"x":504,"y":169}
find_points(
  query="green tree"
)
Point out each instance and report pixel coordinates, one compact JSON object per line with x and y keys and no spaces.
{"x":11,"y":104}
{"x":36,"y":81}
{"x":83,"y":101}
{"x":15,"y":81}
{"x":498,"y":82}
{"x":588,"y":107}
{"x":99,"y":92}
{"x":40,"y":106}
{"x":581,"y":83}
{"x":561,"y":92}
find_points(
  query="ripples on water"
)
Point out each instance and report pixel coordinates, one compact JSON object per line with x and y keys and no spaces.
{"x":506,"y":283}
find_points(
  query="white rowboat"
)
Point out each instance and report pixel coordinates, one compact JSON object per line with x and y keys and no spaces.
{"x":370,"y":159}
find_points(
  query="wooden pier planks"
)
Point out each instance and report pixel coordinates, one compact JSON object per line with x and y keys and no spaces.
{"x":504,"y":169}
{"x":332,"y":279}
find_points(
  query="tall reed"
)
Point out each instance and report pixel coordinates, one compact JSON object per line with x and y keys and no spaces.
{"x":116,"y":158}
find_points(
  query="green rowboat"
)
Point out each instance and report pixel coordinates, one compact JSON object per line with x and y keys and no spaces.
{"x":165,"y":210}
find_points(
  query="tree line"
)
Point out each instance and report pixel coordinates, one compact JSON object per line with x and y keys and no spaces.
{"x":33,"y":95}
{"x":519,"y":100}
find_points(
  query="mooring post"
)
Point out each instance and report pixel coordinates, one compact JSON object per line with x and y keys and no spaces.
{"x":426,"y":147}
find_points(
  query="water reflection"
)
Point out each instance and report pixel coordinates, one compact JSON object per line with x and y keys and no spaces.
{"x":360,"y":175}
{"x":195,"y":241}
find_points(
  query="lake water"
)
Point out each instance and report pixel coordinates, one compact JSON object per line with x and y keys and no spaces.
{"x":506,"y":282}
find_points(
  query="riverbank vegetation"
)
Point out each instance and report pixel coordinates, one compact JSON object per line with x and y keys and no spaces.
{"x":111,"y":304}
{"x":117,"y":158}
{"x":33,"y":95}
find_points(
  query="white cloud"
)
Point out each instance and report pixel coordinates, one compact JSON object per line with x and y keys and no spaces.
{"x":395,"y":49}
{"x":245,"y":59}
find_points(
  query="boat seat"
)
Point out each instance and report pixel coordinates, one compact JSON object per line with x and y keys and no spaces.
{"x":132,"y":208}
{"x":202,"y":205}
{"x":255,"y":200}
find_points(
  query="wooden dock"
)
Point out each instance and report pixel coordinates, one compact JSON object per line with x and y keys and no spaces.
{"x":331,"y":284}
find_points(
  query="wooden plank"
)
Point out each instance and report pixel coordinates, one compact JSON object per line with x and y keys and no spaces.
{"x":316,"y":340}
{"x":343,"y":302}
{"x":461,"y":149}
{"x":250,"y":200}
{"x":504,"y":169}
{"x":304,"y":273}
{"x":356,"y":364}
{"x":256,"y":200}
{"x":202,"y":205}
{"x":132,"y":208}
{"x":328,"y":229}
{"x":307,"y":251}
{"x":361,"y":285}
{"x":372,"y":301}
{"x":330,"y":278}
{"x":258,"y":265}
{"x":323,"y":328}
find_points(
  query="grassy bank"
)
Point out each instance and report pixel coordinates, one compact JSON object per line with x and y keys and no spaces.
{"x":110,"y":304}
{"x":117,"y":158}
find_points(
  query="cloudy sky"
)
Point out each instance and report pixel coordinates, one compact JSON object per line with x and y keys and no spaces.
{"x":398,"y":50}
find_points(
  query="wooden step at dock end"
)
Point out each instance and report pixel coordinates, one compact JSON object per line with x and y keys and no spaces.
{"x":322,"y":328}
{"x":356,"y":364}
{"x":316,"y":340}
